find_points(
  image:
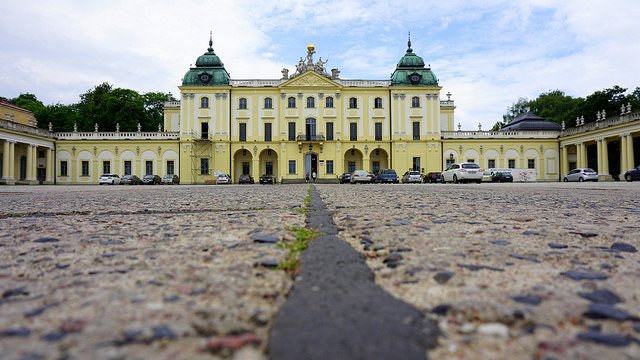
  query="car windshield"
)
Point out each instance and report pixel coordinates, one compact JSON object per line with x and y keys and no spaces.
{"x":168,"y":176}
{"x":589,"y":170}
{"x":149,"y":176}
{"x":470,"y":166}
{"x":414,"y":173}
{"x":389,"y":171}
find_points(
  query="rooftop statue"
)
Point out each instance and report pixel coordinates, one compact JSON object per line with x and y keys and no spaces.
{"x":308,"y":64}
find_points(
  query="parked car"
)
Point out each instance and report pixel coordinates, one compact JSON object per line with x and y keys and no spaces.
{"x":633,"y":174}
{"x":109,"y":179}
{"x":267,"y":179}
{"x":223,"y":179}
{"x":361,"y":176}
{"x":433,"y":177}
{"x":501,"y":176}
{"x":130,"y":180}
{"x":245,"y":179}
{"x":487,"y":176}
{"x":386,"y":176}
{"x":345,"y":178}
{"x":151,"y":180}
{"x":462,"y":172}
{"x":171,"y":179}
{"x":412,"y":177}
{"x":581,"y":174}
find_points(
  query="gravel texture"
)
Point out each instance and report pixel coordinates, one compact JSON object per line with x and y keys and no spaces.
{"x":510,"y":271}
{"x":136,"y":272}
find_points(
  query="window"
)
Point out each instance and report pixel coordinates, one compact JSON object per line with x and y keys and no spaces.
{"x":353,"y":103}
{"x":85,"y":168}
{"x":415,"y":101}
{"x":416,"y":130}
{"x":127,"y":167}
{"x":204,"y":130}
{"x":311,"y":102}
{"x":491,"y":163}
{"x":416,"y":164}
{"x":378,"y":131}
{"x":269,"y":167}
{"x":268,"y":103}
{"x":63,"y":168}
{"x":106,"y":167}
{"x":170,"y":167}
{"x":245,"y":168}
{"x":471,"y":160}
{"x":512,"y":163}
{"x":292,"y":131}
{"x":450,"y":162}
{"x":41,"y":153}
{"x":328,"y":102}
{"x":375,"y":167}
{"x":204,"y":166}
{"x":329,"y":166}
{"x":353,"y":131}
{"x":242,"y":104}
{"x":329,"y":131}
{"x":292,"y":166}
{"x":148,"y":166}
{"x":204,"y":102}
{"x":23,"y":168}
{"x":351,"y":166}
{"x":291,"y":102}
{"x":267,"y":132}
{"x":377,"y":103}
{"x":531,"y":163}
{"x":243,"y":132}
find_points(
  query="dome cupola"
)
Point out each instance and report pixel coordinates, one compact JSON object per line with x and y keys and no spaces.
{"x":209,"y":70}
{"x":411,"y":71}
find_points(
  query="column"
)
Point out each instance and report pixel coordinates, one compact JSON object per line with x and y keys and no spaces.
{"x":578,"y":155}
{"x":605,"y":158}
{"x":255,"y":168}
{"x":623,"y":154}
{"x":565,"y":160}
{"x":29,"y":163}
{"x":5,"y":160}
{"x":599,"y":154}
{"x":12,"y":162}
{"x":630,"y":160}
{"x":50,"y":166}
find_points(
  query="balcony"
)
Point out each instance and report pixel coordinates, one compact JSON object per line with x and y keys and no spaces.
{"x":310,"y":138}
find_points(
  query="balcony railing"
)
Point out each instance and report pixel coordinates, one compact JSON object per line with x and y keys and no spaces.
{"x":166,"y":135}
{"x":10,"y":125}
{"x":365,"y":83}
{"x":612,"y":121}
{"x":500,"y":134}
{"x":310,"y":138}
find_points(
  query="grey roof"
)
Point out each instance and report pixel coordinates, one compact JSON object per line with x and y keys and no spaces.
{"x":531,"y":122}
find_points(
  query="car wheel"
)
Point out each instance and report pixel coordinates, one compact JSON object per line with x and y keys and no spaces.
{"x":580,"y":179}
{"x":455,"y":179}
{"x":565,"y":180}
{"x":628,"y":177}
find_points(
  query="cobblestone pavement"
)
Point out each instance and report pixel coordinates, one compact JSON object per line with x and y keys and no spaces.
{"x":510,"y":271}
{"x":157,"y":272}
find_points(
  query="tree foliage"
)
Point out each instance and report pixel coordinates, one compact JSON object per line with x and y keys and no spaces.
{"x":103,"y":105}
{"x":556,"y":106}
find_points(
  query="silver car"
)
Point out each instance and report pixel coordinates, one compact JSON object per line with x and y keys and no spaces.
{"x":462,"y":172}
{"x":109,"y":179}
{"x":412,"y":177}
{"x":581,"y":174}
{"x":361,"y":176}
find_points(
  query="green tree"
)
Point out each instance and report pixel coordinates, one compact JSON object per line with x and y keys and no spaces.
{"x":519,"y":107}
{"x":555,"y":106}
{"x":62,"y":117}
{"x":107,"y":107}
{"x":154,"y":106}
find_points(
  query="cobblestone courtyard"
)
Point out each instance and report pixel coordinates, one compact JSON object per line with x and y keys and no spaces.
{"x":509,"y":271}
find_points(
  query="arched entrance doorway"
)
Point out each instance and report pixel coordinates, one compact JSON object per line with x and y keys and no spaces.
{"x":241,"y":163}
{"x":353,"y":161}
{"x":311,"y":163}
{"x":379,"y":159}
{"x":268,"y":162}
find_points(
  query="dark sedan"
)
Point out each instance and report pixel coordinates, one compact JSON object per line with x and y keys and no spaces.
{"x":151,"y":180}
{"x":245,"y":179}
{"x":130,"y":180}
{"x":433,"y":177}
{"x":632,"y":174}
{"x":386,"y":176}
{"x":501,"y":176}
{"x":345,"y":178}
{"x":267,"y":179}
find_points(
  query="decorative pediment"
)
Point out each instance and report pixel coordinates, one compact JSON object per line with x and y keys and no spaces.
{"x":310,"y":79}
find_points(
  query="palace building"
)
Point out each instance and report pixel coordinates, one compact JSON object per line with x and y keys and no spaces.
{"x":312,"y":120}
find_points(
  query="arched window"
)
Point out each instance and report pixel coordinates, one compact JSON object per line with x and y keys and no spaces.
{"x":291,"y":102}
{"x":377,"y":103}
{"x":204,"y":102}
{"x":353,"y":103}
{"x":415,"y":101}
{"x":268,"y":103}
{"x":329,"y":102}
{"x":243,"y":103}
{"x":311,"y":102}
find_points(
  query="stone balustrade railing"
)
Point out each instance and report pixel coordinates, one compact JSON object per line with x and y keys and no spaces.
{"x":365,"y":83}
{"x":500,"y":134}
{"x":10,"y":125}
{"x":255,"y":83}
{"x":612,"y":121}
{"x":165,"y":135}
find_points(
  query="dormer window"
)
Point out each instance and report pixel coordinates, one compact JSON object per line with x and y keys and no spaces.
{"x":242,"y":104}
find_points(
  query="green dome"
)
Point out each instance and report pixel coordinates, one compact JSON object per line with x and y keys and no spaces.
{"x":411,"y":71}
{"x":209,"y":70}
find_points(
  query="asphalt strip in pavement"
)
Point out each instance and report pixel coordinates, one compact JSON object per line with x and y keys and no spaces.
{"x":336,"y":311}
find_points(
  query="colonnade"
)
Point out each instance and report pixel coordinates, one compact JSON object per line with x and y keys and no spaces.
{"x":627,"y":160}
{"x":13,"y":170}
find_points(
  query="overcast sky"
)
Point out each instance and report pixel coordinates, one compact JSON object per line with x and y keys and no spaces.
{"x":486,"y":53}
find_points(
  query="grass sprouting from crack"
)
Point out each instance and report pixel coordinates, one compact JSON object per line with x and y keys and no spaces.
{"x":302,"y":238}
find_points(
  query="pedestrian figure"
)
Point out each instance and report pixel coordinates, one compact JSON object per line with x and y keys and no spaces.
{"x":306,"y":177}
{"x":313,"y":176}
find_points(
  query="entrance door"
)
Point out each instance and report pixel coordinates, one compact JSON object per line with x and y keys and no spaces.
{"x":42,"y":174}
{"x":311,"y":163}
{"x":311,"y":129}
